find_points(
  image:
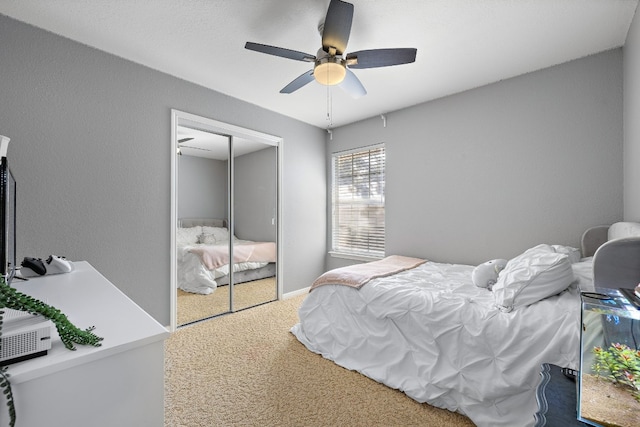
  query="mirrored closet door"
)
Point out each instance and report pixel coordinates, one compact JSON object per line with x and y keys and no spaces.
{"x":225,"y":216}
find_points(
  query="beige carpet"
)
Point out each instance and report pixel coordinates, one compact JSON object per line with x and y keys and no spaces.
{"x":193,"y":307}
{"x":247,"y":369}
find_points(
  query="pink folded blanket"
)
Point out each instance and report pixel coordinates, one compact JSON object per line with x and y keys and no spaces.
{"x":359,"y":274}
{"x":215,"y":256}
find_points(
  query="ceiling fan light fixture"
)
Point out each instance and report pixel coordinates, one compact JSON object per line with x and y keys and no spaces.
{"x":330,"y":70}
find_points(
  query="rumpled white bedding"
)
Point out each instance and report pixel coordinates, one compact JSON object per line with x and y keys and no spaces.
{"x":194,"y":277}
{"x":432,"y":334}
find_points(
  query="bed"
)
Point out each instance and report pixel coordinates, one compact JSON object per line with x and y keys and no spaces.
{"x":465,"y":338}
{"x":203,"y":256}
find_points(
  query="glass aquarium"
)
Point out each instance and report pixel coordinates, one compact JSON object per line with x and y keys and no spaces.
{"x":609,"y":378}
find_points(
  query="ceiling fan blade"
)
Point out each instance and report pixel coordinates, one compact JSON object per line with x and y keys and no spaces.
{"x":381,"y":57}
{"x":352,"y":85}
{"x":180,"y":141}
{"x":280,"y":51}
{"x":299,"y":81}
{"x":195,"y":148}
{"x":337,"y":26}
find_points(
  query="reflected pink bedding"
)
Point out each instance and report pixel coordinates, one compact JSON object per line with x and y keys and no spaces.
{"x":215,"y":256}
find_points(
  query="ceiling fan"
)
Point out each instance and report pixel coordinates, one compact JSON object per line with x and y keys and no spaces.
{"x":183,"y":141}
{"x":330,"y":67}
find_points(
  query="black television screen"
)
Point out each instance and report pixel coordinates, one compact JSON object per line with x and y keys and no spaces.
{"x":7,"y":222}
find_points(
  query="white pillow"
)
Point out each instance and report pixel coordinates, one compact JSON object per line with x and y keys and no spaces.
{"x":486,"y":275}
{"x":538,"y":273}
{"x":188,"y":235}
{"x":574,"y":254}
{"x":207,"y":239}
{"x":214,"y":235}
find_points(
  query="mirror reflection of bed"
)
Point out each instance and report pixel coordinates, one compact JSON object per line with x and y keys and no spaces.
{"x":203,"y":279}
{"x":212,"y":208}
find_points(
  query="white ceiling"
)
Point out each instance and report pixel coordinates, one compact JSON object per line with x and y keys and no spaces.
{"x":461,"y":44}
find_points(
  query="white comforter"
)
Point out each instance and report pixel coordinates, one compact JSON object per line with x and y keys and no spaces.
{"x":194,"y":277}
{"x":434,"y":335}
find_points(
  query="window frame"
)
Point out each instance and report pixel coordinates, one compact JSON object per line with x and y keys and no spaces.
{"x":353,"y":252}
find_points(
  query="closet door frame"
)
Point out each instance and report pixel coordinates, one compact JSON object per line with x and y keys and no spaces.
{"x":230,"y":131}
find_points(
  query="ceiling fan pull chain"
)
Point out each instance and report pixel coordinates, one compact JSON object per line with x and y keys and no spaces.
{"x":329,"y":107}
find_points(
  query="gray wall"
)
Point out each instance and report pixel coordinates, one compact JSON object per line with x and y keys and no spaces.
{"x":202,"y":191}
{"x":202,"y":187}
{"x":255,"y":195}
{"x":91,"y":152}
{"x":492,"y":171}
{"x":631,"y":52}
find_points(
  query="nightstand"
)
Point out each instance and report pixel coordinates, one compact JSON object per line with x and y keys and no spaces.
{"x":556,"y":396}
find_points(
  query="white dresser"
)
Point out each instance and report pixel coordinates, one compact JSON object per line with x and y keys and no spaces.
{"x":119,"y":384}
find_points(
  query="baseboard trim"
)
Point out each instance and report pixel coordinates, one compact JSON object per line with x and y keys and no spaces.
{"x":296,"y":293}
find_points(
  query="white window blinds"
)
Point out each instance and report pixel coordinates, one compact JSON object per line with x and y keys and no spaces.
{"x":358,"y":202}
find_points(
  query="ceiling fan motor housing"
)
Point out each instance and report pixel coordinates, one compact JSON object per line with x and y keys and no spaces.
{"x":329,"y":69}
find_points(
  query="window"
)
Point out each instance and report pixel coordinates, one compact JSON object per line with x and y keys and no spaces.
{"x":358,"y":202}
